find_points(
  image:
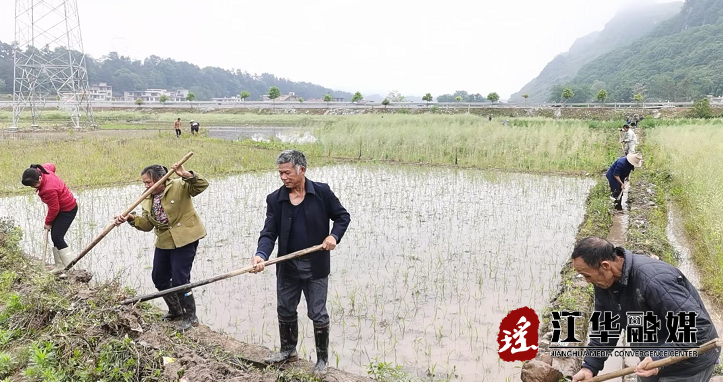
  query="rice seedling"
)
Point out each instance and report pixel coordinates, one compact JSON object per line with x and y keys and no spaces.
{"x":422,"y":278}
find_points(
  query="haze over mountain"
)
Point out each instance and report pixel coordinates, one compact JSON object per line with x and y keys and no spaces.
{"x":628,"y":25}
{"x":680,"y":60}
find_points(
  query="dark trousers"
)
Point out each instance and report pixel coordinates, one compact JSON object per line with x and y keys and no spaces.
{"x":172,"y":267}
{"x":297,"y":279}
{"x":615,"y":188}
{"x":60,"y":227}
{"x":178,"y":133}
{"x":703,"y":376}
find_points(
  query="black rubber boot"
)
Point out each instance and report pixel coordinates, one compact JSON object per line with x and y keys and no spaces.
{"x":321,"y":337}
{"x":189,"y":306}
{"x":175,"y":311}
{"x":289,"y":336}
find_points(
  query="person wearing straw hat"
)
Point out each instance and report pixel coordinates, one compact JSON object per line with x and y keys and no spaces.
{"x":620,"y":171}
{"x":62,"y":208}
{"x":169,"y":212}
{"x":628,"y":284}
{"x":298,"y":214}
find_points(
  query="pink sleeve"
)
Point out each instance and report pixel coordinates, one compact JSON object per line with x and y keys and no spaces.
{"x":50,"y":198}
{"x":50,"y":167}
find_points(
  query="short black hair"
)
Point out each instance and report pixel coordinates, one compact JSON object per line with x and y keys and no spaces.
{"x":594,"y":250}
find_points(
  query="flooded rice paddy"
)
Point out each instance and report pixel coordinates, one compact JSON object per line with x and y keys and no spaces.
{"x":261,"y":133}
{"x":433,"y":260}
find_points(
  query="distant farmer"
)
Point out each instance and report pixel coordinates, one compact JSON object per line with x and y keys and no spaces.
{"x":629,"y":139}
{"x":633,"y":122}
{"x":620,"y":171}
{"x":177,"y":126}
{"x":170,"y":212}
{"x":628,"y":283}
{"x":194,"y":127}
{"x":298,"y":214}
{"x":62,"y":208}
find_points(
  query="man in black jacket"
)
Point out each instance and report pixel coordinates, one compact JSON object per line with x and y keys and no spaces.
{"x":298,"y":215}
{"x":626,"y":283}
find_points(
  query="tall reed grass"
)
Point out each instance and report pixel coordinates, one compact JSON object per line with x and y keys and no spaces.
{"x":523,"y":145}
{"x":693,"y":154}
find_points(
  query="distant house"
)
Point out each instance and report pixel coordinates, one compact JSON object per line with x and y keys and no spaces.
{"x":101,"y":92}
{"x":154,"y":95}
{"x":289,"y":97}
{"x":96,"y":92}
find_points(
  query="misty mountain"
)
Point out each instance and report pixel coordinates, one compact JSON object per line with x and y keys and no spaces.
{"x":627,"y":26}
{"x":680,"y":60}
{"x":374,"y":97}
{"x":126,"y":74}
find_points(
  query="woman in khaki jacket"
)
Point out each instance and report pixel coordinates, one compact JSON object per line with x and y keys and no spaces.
{"x":170,"y":213}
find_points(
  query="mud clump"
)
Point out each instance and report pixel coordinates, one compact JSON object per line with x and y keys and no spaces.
{"x":79,"y":276}
{"x":538,"y":371}
{"x":194,"y":368}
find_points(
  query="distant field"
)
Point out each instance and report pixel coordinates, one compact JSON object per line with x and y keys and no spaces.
{"x":159,"y":118}
{"x":525,"y":145}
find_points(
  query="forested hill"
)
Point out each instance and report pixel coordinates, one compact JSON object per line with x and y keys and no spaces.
{"x":126,"y":74}
{"x":681,"y":60}
{"x":624,"y":28}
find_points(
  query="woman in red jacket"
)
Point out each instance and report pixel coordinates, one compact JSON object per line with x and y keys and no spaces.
{"x":62,"y":207}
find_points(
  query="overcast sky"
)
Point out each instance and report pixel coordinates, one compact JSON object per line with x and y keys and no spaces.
{"x":370,"y":46}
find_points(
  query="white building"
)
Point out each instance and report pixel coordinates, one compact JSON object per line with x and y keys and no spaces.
{"x":154,"y":95}
{"x":101,"y":92}
{"x":288,"y":97}
{"x":228,"y":100}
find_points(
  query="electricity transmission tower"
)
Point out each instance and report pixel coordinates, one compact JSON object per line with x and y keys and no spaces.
{"x":49,"y":61}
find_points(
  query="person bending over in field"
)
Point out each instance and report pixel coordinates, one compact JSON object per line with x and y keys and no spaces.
{"x":62,"y":208}
{"x":619,"y":172}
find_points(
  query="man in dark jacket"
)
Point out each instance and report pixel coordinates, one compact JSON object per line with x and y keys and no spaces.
{"x":628,"y":283}
{"x":620,"y":170}
{"x":298,"y":215}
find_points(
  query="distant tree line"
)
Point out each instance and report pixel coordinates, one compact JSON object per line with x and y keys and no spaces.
{"x":126,"y":74}
{"x":465,"y":97}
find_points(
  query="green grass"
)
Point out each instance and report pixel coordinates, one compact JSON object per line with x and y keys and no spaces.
{"x":693,"y":155}
{"x":48,"y":333}
{"x":96,"y":162}
{"x":530,"y":145}
{"x":158,"y":117}
{"x":527,"y":145}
